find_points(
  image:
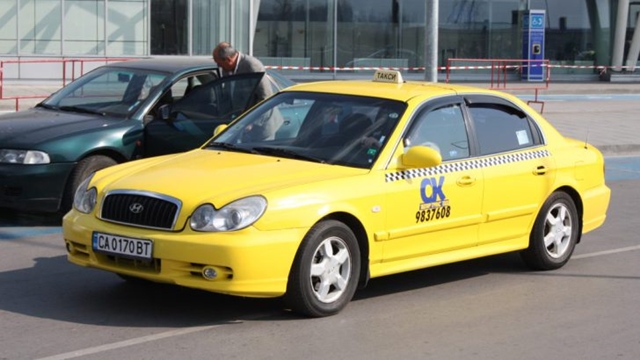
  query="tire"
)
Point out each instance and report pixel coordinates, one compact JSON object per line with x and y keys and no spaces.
{"x":554,"y":234}
{"x":85,"y":167}
{"x":325,"y":273}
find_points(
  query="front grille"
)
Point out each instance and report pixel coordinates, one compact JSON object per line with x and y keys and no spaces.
{"x":141,"y":209}
{"x":152,"y":267}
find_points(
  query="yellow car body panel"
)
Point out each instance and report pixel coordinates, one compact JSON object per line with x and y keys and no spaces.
{"x":202,"y":176}
{"x":404,"y":218}
{"x":400,"y":92}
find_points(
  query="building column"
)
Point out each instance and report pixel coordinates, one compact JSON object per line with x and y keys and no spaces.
{"x":634,"y":50}
{"x":431,"y":41}
{"x":254,"y":9}
{"x":620,"y":35}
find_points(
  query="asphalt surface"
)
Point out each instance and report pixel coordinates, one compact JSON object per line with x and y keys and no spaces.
{"x":492,"y":308}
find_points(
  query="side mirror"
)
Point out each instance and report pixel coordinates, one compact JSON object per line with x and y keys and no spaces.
{"x":421,"y":157}
{"x":220,"y":128}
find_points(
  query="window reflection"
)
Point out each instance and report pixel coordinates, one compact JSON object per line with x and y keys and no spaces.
{"x":317,"y":34}
{"x":169,"y":28}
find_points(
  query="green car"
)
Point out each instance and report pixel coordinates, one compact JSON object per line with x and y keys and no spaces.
{"x":116,"y":113}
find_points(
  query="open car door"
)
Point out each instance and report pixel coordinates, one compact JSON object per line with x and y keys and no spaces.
{"x":190,"y":121}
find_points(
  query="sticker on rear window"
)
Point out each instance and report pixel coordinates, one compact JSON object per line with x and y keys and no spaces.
{"x":523,"y":137}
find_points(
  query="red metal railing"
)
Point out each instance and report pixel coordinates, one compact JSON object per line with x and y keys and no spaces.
{"x":500,"y":69}
{"x":70,"y":70}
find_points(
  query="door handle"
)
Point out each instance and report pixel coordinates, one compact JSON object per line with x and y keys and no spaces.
{"x":466,"y":180}
{"x":540,"y":170}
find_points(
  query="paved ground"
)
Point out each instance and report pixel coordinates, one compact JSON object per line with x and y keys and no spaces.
{"x":605,"y":114}
{"x":611,"y":125}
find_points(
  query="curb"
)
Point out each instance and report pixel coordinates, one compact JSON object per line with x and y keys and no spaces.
{"x":618,"y":149}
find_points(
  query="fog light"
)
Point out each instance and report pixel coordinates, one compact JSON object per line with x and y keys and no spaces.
{"x":209,"y":273}
{"x":70,"y":248}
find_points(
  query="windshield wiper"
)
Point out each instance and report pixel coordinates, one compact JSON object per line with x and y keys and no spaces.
{"x":230,"y":147}
{"x":287,"y":153}
{"x":47,"y":106}
{"x":81,"y":110}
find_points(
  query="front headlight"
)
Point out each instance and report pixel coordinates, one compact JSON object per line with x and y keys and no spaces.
{"x":28,"y":157}
{"x":234,"y":216}
{"x":84,"y":199}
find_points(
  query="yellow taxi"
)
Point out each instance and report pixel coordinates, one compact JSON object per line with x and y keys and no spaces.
{"x":326,"y":185}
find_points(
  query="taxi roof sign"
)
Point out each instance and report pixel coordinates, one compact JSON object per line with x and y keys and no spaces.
{"x":388,"y":76}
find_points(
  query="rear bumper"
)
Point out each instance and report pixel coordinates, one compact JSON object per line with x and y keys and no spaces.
{"x":596,"y":204}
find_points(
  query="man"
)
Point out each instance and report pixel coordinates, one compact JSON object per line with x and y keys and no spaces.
{"x":232,"y":62}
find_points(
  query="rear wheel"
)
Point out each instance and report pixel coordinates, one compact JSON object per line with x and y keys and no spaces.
{"x":325,"y":272}
{"x":85,"y":167}
{"x":554,"y":235}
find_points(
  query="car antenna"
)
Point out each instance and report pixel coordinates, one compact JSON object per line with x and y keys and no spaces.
{"x":586,"y":140}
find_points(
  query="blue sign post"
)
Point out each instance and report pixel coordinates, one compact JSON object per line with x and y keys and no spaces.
{"x":533,"y":29}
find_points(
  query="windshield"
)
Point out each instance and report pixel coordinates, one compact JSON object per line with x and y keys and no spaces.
{"x":107,"y":90}
{"x":327,"y":128}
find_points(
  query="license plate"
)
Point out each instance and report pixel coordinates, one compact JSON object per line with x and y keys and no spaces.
{"x":123,"y":246}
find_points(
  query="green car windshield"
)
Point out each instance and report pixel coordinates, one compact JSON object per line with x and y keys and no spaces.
{"x":107,"y":90}
{"x":327,"y":128}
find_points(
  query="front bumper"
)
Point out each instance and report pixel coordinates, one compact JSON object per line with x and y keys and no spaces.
{"x":33,"y":187}
{"x":249,"y":262}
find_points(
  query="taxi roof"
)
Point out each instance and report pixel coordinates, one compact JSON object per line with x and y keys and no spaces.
{"x":401,"y":92}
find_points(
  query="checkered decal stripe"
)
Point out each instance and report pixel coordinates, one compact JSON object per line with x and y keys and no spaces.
{"x":466,"y":165}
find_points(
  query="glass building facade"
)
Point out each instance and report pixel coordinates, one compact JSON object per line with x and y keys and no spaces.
{"x":313,"y":36}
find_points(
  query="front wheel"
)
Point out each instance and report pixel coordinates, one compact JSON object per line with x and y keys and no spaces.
{"x":554,"y":235}
{"x":325,"y":273}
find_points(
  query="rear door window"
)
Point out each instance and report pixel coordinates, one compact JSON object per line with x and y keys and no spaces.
{"x":500,"y":128}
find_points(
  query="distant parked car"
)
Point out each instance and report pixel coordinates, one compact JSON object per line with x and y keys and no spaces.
{"x":115,"y":113}
{"x":388,"y":57}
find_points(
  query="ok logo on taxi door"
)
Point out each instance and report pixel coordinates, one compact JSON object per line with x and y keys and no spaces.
{"x":431,"y":190}
{"x":434,"y":203}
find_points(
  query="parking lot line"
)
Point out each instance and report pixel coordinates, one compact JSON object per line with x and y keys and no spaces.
{"x":130,"y":342}
{"x":606,"y":252}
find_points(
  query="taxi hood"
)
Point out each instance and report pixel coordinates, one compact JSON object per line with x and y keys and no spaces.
{"x":216,"y":176}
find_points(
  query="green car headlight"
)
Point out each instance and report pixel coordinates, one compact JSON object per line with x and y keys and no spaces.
{"x":234,"y":216}
{"x":28,"y":157}
{"x":84,"y":199}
